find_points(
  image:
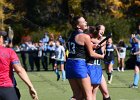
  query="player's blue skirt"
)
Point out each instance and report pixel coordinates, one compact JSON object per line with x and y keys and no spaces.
{"x":95,"y":73}
{"x":76,"y":68}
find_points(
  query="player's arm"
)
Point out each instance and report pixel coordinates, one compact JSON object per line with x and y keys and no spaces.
{"x":138,"y":52}
{"x":95,"y":41}
{"x":118,"y":55}
{"x":23,"y":75}
{"x":64,"y":53}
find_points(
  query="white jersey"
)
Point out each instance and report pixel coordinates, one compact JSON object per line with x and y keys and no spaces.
{"x":122,"y":52}
{"x":60,"y":53}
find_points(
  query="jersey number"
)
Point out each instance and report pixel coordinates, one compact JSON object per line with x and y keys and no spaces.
{"x":97,"y":62}
{"x":71,"y":47}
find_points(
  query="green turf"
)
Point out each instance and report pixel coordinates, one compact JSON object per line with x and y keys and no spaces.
{"x":50,"y":89}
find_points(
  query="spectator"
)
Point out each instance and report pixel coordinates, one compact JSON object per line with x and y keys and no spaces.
{"x":51,"y":37}
{"x":45,"y":39}
{"x":43,"y":55}
{"x":51,"y":49}
{"x":17,"y":48}
{"x":31,"y":54}
{"x":23,"y":49}
{"x":35,"y":56}
{"x":62,"y":41}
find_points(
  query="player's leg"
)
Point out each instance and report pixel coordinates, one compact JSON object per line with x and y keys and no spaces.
{"x":86,"y":84}
{"x":136,"y":78}
{"x":95,"y":73}
{"x":104,"y":90}
{"x":56,"y":70}
{"x":109,"y":73}
{"x":123,"y":66}
{"x":63,"y":71}
{"x":94,"y":91}
{"x":119,"y":64}
{"x":76,"y":89}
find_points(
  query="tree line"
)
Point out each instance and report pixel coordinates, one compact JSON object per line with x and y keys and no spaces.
{"x":33,"y":17}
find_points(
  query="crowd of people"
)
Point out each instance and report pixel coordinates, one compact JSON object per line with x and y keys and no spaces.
{"x":48,"y":51}
{"x":42,"y":50}
{"x":79,"y":59}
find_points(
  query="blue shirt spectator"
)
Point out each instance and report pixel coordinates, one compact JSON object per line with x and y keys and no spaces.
{"x":45,"y":39}
{"x":61,"y":39}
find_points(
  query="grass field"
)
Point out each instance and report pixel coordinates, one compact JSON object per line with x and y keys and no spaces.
{"x":50,"y":89}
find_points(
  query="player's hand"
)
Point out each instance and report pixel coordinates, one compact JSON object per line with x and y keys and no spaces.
{"x":103,"y":55}
{"x":132,"y":53}
{"x":98,"y":46}
{"x":33,"y":93}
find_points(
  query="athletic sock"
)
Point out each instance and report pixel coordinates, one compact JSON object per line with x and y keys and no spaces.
{"x":107,"y":98}
{"x":63,"y":75}
{"x":109,"y":75}
{"x":57,"y":72}
{"x":136,"y":79}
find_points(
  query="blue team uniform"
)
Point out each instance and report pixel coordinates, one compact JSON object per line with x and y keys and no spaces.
{"x":109,"y":57}
{"x":76,"y":63}
{"x":94,"y":69}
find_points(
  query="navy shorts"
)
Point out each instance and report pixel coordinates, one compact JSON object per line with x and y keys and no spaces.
{"x":8,"y":93}
{"x":137,"y":63}
{"x":109,"y":62}
{"x":95,"y":73}
{"x":76,"y":68}
{"x":59,"y":62}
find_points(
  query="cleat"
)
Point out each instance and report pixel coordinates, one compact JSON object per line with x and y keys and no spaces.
{"x":111,"y":78}
{"x":58,"y":77}
{"x":118,"y":69}
{"x":133,"y":86}
{"x":72,"y":98}
{"x":122,"y":70}
{"x":109,"y":82}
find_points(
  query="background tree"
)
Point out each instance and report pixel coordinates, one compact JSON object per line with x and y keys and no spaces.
{"x":34,"y":17}
{"x":6,"y":9}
